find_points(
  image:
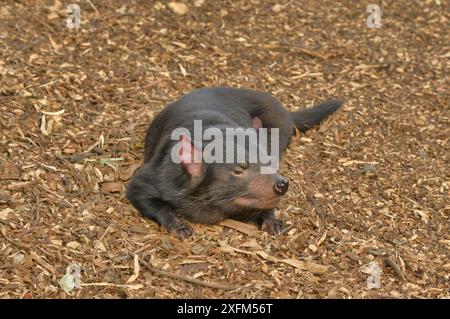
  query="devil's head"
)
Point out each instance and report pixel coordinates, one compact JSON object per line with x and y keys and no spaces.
{"x":229,"y":167}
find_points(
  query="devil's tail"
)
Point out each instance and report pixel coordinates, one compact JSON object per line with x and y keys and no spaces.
{"x":306,"y":119}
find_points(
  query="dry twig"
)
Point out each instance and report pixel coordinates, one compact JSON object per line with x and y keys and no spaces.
{"x":186,"y":278}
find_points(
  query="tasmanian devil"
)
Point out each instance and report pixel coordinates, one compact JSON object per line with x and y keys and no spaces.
{"x":179,"y":183}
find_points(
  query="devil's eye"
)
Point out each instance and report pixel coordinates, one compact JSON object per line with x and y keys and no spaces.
{"x":237,"y":172}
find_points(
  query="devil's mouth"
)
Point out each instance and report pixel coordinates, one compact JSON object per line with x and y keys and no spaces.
{"x":257,"y":202}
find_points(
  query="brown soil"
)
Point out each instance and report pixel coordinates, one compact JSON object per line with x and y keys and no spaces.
{"x":370,"y":185}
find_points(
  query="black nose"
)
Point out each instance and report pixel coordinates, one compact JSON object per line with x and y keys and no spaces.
{"x":281,"y":185}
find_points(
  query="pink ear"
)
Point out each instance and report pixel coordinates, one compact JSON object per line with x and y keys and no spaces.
{"x":256,"y":122}
{"x":191,"y":157}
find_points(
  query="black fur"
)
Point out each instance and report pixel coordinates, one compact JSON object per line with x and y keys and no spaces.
{"x":167,"y":193}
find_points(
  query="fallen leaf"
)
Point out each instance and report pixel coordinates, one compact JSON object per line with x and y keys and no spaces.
{"x":100,"y":246}
{"x":373,"y":269}
{"x":277,"y":8}
{"x":71,"y":279}
{"x":73,"y":245}
{"x":198,"y":3}
{"x":5,"y":213}
{"x":194,"y":267}
{"x":245,"y":228}
{"x":57,"y":242}
{"x":309,"y":266}
{"x":52,"y":16}
{"x":178,"y":7}
{"x":112,"y":187}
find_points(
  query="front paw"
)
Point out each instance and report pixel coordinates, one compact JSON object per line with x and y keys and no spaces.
{"x":273,"y":226}
{"x":179,"y":229}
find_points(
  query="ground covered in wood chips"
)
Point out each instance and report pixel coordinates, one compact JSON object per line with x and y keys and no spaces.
{"x":368,"y":188}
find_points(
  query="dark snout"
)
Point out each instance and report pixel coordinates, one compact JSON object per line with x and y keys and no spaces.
{"x":281,"y":185}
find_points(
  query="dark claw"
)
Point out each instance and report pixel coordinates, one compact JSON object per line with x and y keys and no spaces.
{"x":180,"y":229}
{"x":272,"y":226}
